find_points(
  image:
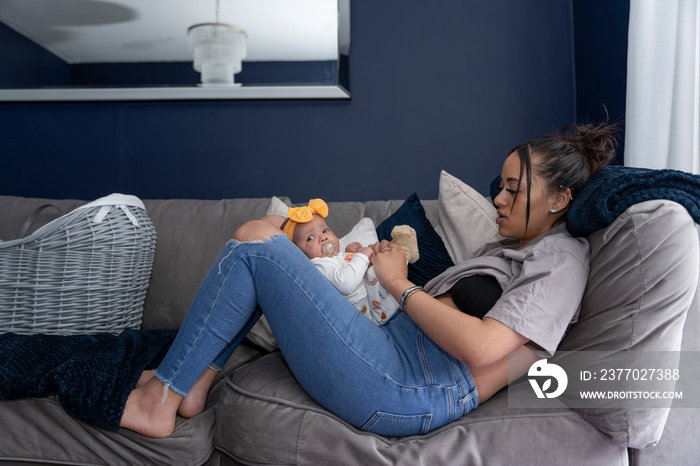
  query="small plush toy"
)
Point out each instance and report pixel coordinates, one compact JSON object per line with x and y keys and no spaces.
{"x":405,"y":236}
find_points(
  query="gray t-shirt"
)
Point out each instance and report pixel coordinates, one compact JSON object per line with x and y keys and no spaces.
{"x":543,"y":283}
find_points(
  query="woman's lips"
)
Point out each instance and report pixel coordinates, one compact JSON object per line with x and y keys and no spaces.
{"x":501,"y":218}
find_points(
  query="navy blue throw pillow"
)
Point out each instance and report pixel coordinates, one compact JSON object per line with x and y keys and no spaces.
{"x":434,"y":258}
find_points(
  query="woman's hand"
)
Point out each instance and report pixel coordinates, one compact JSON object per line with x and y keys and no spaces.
{"x":389,"y":262}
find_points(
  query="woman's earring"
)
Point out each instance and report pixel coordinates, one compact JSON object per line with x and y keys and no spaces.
{"x":553,"y":211}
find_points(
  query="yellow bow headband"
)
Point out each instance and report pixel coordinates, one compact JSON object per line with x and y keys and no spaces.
{"x":303,"y":215}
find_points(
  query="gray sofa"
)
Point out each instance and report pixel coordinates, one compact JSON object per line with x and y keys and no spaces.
{"x":641,"y":296}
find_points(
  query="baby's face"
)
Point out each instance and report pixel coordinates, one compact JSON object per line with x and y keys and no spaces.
{"x":312,"y":236}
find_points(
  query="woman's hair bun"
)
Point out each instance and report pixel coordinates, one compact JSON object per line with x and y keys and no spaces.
{"x":595,"y":144}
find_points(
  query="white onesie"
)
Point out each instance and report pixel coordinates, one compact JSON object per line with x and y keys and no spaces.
{"x":353,"y":276}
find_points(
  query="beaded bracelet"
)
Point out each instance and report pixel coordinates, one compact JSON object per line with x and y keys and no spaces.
{"x":407,"y":294}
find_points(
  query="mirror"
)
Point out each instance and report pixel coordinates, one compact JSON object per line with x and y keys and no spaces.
{"x":101,"y":50}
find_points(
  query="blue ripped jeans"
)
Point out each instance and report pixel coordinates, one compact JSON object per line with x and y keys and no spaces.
{"x":391,"y":380}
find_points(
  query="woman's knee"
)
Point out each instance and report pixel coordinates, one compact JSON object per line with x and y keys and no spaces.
{"x":256,"y":230}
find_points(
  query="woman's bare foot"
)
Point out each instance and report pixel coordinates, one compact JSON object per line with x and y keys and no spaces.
{"x":196,"y":400}
{"x":150,"y":410}
{"x":145,"y":377}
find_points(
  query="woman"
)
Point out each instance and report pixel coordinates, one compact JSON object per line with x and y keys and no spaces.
{"x":433,"y":363}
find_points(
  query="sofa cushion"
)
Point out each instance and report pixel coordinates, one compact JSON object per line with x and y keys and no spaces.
{"x":37,"y":211}
{"x":191,"y":235}
{"x":674,"y":446}
{"x":264,"y":417}
{"x":644,"y":274}
{"x":38,"y":430}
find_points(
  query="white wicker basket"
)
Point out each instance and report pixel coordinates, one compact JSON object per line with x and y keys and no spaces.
{"x":85,"y":272}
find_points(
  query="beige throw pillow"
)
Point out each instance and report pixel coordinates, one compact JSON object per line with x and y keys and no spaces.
{"x":467,"y":219}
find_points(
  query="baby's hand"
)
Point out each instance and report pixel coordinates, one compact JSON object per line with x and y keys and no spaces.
{"x":353,"y":247}
{"x":369,"y":252}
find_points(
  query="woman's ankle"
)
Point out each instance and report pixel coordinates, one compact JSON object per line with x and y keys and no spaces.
{"x":145,"y":377}
{"x":196,"y":400}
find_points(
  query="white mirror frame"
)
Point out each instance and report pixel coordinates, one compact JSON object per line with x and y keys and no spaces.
{"x":83,"y":94}
{"x":174,"y":93}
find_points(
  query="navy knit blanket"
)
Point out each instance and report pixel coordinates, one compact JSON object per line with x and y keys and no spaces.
{"x":612,"y":190}
{"x":91,"y":374}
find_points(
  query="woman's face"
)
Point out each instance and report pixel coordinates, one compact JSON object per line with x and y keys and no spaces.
{"x":310,"y":237}
{"x":512,"y":210}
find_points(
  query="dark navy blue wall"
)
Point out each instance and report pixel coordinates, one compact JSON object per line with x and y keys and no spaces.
{"x":435,"y":85}
{"x":600,"y":35}
{"x":26,"y":64}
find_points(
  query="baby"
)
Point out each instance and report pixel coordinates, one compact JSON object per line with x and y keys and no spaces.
{"x":350,"y":272}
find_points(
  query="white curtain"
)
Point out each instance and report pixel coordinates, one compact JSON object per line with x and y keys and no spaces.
{"x":662,"y":122}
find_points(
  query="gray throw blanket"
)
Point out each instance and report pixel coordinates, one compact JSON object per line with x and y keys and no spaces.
{"x":91,"y":374}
